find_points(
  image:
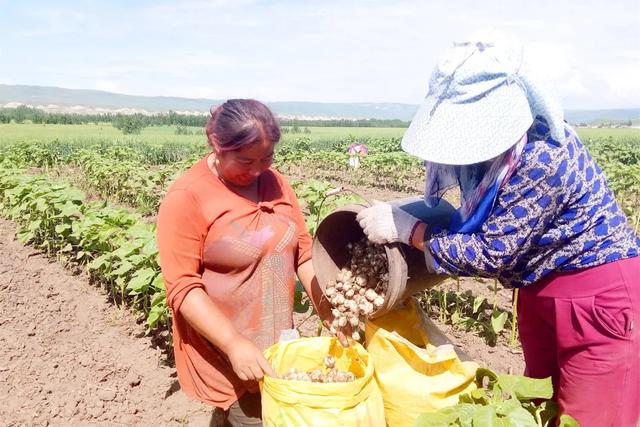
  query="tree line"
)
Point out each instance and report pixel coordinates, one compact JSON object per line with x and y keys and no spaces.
{"x":134,"y":123}
{"x":23,"y":113}
{"x":364,"y":123}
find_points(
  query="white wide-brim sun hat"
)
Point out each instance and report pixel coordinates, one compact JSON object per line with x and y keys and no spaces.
{"x":476,"y":108}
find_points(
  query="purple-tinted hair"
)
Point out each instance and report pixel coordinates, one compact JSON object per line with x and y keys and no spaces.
{"x":240,"y":122}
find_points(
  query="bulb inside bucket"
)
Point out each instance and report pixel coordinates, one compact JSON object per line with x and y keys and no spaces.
{"x":408,"y":274}
{"x":335,"y":235}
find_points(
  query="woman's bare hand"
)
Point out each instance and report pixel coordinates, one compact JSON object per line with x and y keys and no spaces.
{"x":247,"y":360}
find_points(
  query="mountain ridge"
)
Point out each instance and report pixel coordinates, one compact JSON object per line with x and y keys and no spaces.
{"x":58,"y":99}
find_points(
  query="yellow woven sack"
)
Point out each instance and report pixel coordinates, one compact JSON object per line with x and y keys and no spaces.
{"x":414,"y":376}
{"x":299,"y":403}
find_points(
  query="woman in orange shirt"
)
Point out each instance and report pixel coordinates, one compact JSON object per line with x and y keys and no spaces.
{"x":231,"y":237}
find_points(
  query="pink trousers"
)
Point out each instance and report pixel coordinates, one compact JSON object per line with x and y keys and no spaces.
{"x":581,"y":329}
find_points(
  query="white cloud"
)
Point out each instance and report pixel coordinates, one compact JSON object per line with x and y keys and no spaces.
{"x":623,"y":80}
{"x":108,"y":86}
{"x":193,"y":92}
{"x":316,"y":51}
{"x":55,"y":21}
{"x":574,"y":86}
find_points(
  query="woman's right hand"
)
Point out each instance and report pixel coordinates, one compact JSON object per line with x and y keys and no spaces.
{"x":247,"y":360}
{"x":385,"y":223}
{"x":205,"y":317}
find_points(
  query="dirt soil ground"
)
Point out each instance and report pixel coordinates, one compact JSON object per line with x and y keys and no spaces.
{"x":68,"y":357}
{"x":501,"y":358}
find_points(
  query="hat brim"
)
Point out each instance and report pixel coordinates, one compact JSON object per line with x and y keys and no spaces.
{"x":470,"y":132}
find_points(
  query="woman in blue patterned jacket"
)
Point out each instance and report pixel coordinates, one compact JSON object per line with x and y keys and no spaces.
{"x":536,"y":213}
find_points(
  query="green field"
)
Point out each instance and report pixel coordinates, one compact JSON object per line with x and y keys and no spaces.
{"x":90,"y":132}
{"x":23,"y":132}
{"x":343,"y":132}
{"x":13,"y":132}
{"x":587,"y":134}
{"x":88,"y":195}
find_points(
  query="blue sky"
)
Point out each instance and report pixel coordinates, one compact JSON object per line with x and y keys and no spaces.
{"x":327,"y":51}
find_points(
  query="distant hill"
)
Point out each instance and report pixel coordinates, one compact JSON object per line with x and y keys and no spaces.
{"x":597,"y":116}
{"x":80,"y":99}
{"x":45,"y":95}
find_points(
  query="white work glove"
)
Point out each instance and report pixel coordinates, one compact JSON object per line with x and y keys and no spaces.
{"x":383,"y":223}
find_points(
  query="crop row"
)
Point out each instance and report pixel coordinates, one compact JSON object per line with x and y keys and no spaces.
{"x":115,"y":172}
{"x":117,"y":247}
{"x":138,"y":175}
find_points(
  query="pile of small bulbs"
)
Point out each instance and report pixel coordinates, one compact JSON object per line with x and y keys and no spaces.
{"x":359,"y":288}
{"x":332,"y":375}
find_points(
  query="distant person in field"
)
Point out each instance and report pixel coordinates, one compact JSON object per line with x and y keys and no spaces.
{"x":231,"y":238}
{"x":355,"y":151}
{"x":536,"y":213}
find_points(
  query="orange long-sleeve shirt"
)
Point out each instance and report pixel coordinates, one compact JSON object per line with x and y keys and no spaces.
{"x":243,"y":254}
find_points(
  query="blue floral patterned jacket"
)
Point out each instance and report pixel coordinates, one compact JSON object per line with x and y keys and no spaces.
{"x":555,"y":214}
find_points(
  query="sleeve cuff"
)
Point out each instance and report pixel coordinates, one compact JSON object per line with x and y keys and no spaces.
{"x":174,"y":301}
